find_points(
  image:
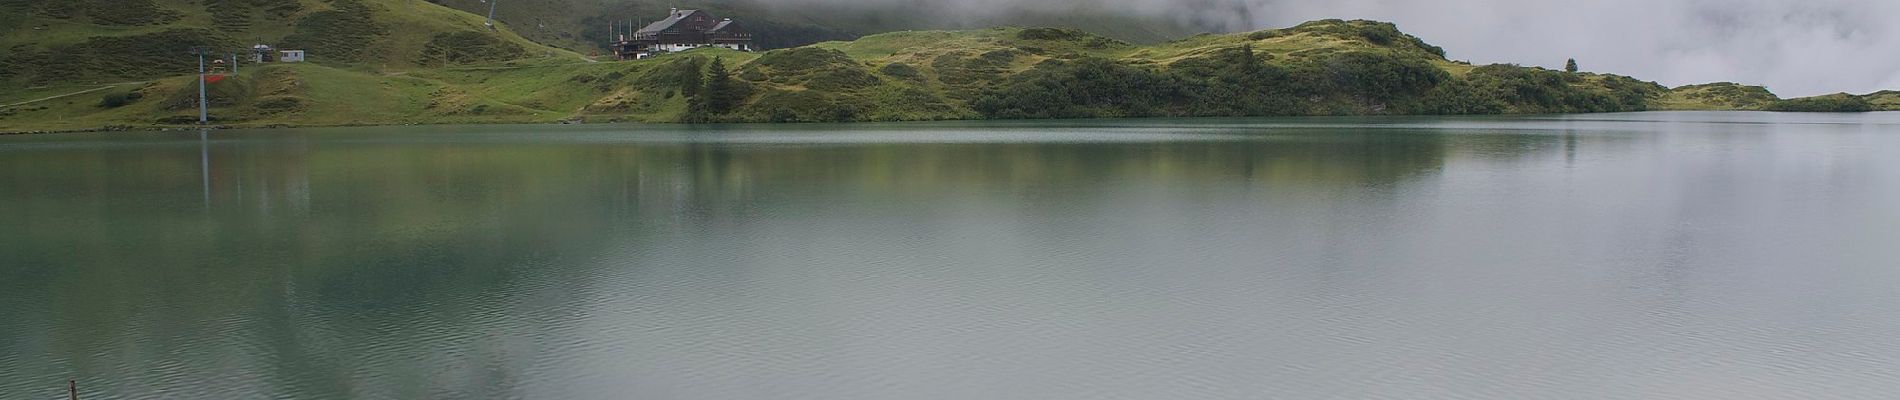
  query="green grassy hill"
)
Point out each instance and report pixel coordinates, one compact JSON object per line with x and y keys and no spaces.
{"x":1330,"y":67}
{"x":1885,"y":100}
{"x":1737,"y":97}
{"x":1718,"y":96}
{"x":584,"y":25}
{"x":53,"y":42}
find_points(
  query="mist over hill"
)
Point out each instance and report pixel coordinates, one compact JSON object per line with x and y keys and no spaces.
{"x":1800,"y":48}
{"x":84,"y":64}
{"x":585,"y":25}
{"x":1804,"y":48}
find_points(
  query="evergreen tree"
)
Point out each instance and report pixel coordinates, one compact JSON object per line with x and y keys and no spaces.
{"x":1571,"y":66}
{"x":691,"y":80}
{"x":721,"y":94}
{"x":693,"y":86}
{"x":718,"y":94}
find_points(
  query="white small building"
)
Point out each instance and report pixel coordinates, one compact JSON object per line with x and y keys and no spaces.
{"x":291,"y":56}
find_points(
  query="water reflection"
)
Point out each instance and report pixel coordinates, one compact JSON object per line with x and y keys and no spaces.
{"x":1240,"y":259}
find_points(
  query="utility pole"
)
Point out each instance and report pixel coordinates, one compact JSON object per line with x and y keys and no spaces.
{"x":491,"y":14}
{"x":204,"y":114}
{"x":204,"y":165}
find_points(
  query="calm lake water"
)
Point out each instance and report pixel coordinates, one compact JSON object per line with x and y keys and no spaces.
{"x":1654,"y":255}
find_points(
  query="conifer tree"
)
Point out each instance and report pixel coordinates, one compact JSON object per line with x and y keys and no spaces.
{"x":721,"y":95}
{"x":692,"y":80}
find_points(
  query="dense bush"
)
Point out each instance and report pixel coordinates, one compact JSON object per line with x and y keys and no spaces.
{"x":1461,"y":97}
{"x":1089,"y":87}
{"x":1052,"y":34}
{"x":1085,"y":39}
{"x":1238,"y":82}
{"x":675,"y":74}
{"x":1728,"y":94}
{"x":1830,"y":103}
{"x":126,"y":12}
{"x":115,"y":57}
{"x":1379,"y":75}
{"x":902,"y":71}
{"x":117,"y":100}
{"x":468,"y":47}
{"x":967,"y":70}
{"x":803,"y":106}
{"x":1378,"y":33}
{"x":842,"y":79}
{"x":237,"y":15}
{"x":818,"y":69}
{"x":802,"y":60}
{"x":1232,"y":82}
{"x":101,"y":12}
{"x":20,"y":60}
{"x":53,"y":9}
{"x":279,"y":104}
{"x":341,"y":34}
{"x":1536,"y":90}
{"x":1631,"y":94}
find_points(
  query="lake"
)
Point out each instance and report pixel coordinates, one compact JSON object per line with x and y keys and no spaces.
{"x":1652,"y":255}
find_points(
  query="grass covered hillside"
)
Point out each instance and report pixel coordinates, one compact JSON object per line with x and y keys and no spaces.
{"x":65,"y":42}
{"x":585,"y":25}
{"x":1736,"y":97}
{"x":1718,"y":96}
{"x":1330,"y":67}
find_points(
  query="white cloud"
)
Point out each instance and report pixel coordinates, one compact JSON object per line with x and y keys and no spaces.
{"x":1795,"y":47}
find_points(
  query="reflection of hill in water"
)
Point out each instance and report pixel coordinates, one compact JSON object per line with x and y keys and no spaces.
{"x":295,"y":252}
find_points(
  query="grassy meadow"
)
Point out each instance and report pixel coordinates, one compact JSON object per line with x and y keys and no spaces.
{"x":376,"y":62}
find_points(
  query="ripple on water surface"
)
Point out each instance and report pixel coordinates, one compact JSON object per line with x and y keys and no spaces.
{"x":1650,"y":255}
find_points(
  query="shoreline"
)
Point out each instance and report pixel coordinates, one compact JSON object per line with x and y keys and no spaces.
{"x":127,"y":128}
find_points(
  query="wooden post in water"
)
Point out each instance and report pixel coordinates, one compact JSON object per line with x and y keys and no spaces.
{"x":72,"y":389}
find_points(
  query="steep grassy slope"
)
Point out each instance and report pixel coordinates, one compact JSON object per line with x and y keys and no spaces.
{"x":1320,"y":68}
{"x":1839,"y":102}
{"x":584,"y":25}
{"x":312,"y":94}
{"x":1718,"y":96}
{"x":1886,"y":100}
{"x":56,"y":42}
{"x":1736,"y":97}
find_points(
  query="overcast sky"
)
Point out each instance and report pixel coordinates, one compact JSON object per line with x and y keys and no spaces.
{"x":1795,"y":47}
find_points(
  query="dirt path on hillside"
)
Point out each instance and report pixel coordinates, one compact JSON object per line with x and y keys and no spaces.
{"x":69,"y":94}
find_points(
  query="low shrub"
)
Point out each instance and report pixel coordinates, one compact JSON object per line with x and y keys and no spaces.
{"x":117,"y":100}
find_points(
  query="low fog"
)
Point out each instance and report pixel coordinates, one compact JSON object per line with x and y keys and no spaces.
{"x":1795,"y":47}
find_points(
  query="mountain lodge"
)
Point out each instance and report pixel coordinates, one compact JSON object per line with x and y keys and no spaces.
{"x":684,"y":30}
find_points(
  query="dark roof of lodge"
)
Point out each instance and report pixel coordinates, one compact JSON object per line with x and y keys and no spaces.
{"x":664,"y":24}
{"x":722,"y":25}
